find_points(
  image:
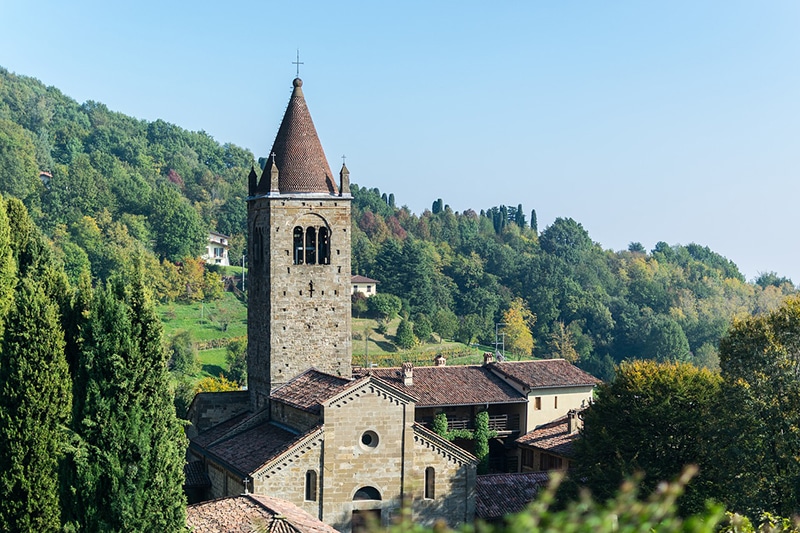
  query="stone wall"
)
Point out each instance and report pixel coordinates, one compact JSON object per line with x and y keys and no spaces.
{"x":211,"y":408}
{"x":299,"y":315}
{"x":293,"y":417}
{"x":285,"y":478}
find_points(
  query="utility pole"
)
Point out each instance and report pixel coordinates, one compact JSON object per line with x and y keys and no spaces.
{"x":500,"y":339}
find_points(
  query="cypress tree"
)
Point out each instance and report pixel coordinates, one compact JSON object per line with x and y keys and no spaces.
{"x":129,"y":469}
{"x":534,"y":223}
{"x":34,"y":411}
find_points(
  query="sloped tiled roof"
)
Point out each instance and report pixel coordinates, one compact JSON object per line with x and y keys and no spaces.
{"x":544,"y":373}
{"x":497,"y":495}
{"x":250,"y":449}
{"x":307,"y":390}
{"x":451,"y":385}
{"x":195,"y":475}
{"x":358,"y":278}
{"x":301,"y":162}
{"x":553,"y":437}
{"x":216,"y":432}
{"x":239,"y":514}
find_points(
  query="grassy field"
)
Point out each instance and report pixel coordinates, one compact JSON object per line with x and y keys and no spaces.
{"x":212,"y":324}
{"x":372,"y":347}
{"x":206,"y":321}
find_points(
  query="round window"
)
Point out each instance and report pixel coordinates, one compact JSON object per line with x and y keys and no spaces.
{"x":369,"y":439}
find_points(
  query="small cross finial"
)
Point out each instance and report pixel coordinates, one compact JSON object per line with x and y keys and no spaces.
{"x":298,"y":63}
{"x":343,"y":158}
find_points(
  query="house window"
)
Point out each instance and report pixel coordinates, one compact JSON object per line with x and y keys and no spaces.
{"x":430,"y":483}
{"x":311,"y":486}
{"x":537,"y":403}
{"x":527,"y":458}
{"x":555,"y":402}
{"x":219,"y":252}
{"x":369,"y":288}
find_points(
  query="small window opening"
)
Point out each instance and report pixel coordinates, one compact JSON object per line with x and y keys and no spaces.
{"x":311,"y":246}
{"x":430,"y":483}
{"x":311,"y":486}
{"x":298,"y":245}
{"x":537,"y":403}
{"x":324,"y":256}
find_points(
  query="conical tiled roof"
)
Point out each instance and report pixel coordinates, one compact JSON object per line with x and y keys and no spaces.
{"x":301,"y":162}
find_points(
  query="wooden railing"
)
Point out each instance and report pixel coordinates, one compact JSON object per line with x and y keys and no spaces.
{"x":499,"y":423}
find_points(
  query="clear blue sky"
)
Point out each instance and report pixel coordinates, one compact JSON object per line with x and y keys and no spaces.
{"x":645,"y":121}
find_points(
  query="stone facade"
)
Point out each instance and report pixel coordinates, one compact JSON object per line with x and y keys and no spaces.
{"x":299,"y":313}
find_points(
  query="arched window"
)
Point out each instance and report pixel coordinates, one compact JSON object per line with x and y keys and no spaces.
{"x":298,"y":245}
{"x":311,"y":486}
{"x":367,"y":493}
{"x":311,"y":246}
{"x":430,"y":483}
{"x":324,"y":257}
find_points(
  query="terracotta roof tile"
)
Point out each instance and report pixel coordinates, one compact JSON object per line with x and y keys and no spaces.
{"x":497,"y":495}
{"x":358,"y":278}
{"x":553,"y":437}
{"x":250,"y":449}
{"x":451,"y":385}
{"x":309,"y":389}
{"x":239,"y":514}
{"x":545,"y":373}
{"x":195,"y":475}
{"x":301,"y":162}
{"x":210,"y":435}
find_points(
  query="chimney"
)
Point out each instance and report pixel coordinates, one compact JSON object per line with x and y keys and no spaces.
{"x":572,"y":421}
{"x":439,"y":360}
{"x":408,"y":374}
{"x":488,"y":357}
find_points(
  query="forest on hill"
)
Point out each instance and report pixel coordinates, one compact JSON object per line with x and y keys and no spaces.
{"x":104,"y":187}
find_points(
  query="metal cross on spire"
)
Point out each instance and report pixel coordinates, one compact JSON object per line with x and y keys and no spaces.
{"x":343,"y":158}
{"x":298,"y":63}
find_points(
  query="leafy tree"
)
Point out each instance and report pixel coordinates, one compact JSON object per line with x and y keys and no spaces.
{"x":178,"y":230}
{"x":422,"y":327}
{"x":405,"y":338}
{"x":128,"y":468}
{"x":518,"y":321}
{"x":34,"y":411}
{"x":236,"y":356}
{"x":562,"y":343}
{"x":220,"y":384}
{"x":469,"y":328}
{"x":481,"y":435}
{"x":358,"y":304}
{"x":384,"y":305}
{"x":19,"y":175}
{"x":760,"y":362}
{"x":183,"y":354}
{"x":445,"y":323}
{"x":652,"y":418}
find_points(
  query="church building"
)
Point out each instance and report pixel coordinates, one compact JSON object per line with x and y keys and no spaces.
{"x":343,"y":445}
{"x":305,"y":430}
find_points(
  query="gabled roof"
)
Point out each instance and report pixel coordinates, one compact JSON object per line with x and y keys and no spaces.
{"x":358,"y":278}
{"x":245,"y":452}
{"x":195,"y":475}
{"x":241,"y":513}
{"x":553,"y":437}
{"x":451,"y":385}
{"x":544,"y":373}
{"x":308,"y":390}
{"x":302,"y":166}
{"x":497,"y":495}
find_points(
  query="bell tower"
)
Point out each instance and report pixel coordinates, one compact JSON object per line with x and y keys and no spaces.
{"x":298,"y":222}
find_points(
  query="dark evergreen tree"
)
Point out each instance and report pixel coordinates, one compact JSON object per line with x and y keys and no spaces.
{"x":391,"y":200}
{"x":534,"y":222}
{"x":405,"y":335}
{"x":129,"y":467}
{"x":34,"y":412}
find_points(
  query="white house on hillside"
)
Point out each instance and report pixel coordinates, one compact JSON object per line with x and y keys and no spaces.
{"x":216,"y":249}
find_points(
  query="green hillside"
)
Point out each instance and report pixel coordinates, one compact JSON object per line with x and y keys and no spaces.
{"x":110,"y":190}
